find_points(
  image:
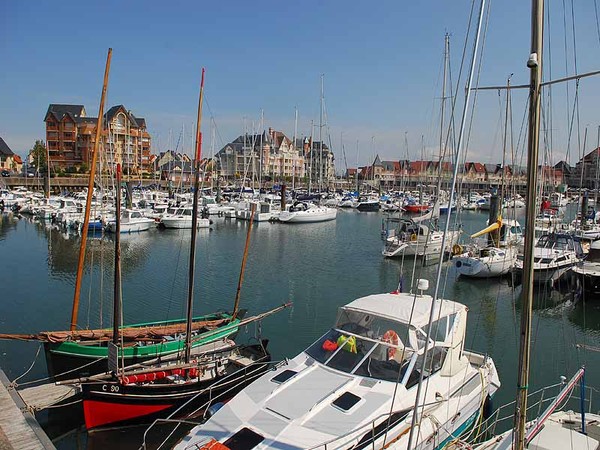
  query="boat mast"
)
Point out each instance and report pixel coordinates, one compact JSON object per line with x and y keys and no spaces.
{"x":190,"y":299}
{"x":236,"y":304}
{"x":117,"y":279}
{"x":535,"y":79}
{"x":296,"y":155}
{"x":90,"y":192}
{"x":321,"y":137}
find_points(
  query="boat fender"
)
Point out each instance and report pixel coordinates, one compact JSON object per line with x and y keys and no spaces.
{"x":212,"y":410}
{"x":413,"y":237}
{"x":391,"y":337}
{"x":458,"y":264}
{"x":457,"y":249}
{"x":488,"y":407}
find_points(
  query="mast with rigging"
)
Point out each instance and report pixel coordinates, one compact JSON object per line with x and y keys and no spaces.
{"x":190,"y":298}
{"x":535,"y":79}
{"x":90,"y":193}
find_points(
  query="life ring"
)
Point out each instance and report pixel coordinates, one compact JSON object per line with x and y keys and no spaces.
{"x":413,"y":237}
{"x":457,"y":249}
{"x":392,"y":338}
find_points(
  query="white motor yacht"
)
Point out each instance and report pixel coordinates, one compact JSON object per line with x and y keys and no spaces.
{"x":302,"y":212}
{"x":131,"y":221}
{"x":417,"y":239}
{"x":262,"y":212}
{"x":553,"y":255}
{"x":356,"y":386}
{"x":182,"y":219}
{"x":587,"y":272}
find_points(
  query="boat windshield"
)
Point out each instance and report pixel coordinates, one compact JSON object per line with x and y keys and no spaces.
{"x":365,"y":345}
{"x":557,"y":243}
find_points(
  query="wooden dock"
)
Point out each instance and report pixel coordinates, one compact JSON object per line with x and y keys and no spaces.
{"x":19,"y":430}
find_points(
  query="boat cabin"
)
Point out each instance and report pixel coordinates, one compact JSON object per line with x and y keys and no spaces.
{"x":383,"y":337}
{"x":558,"y":243}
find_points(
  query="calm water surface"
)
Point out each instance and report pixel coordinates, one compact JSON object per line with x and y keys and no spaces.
{"x":316,"y":266}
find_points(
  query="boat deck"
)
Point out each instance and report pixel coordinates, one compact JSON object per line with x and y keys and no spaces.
{"x":19,"y":429}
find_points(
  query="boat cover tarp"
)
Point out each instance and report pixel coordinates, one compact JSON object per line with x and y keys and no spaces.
{"x":142,"y":333}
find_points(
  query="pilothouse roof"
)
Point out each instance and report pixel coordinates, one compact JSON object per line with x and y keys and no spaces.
{"x":399,"y":307}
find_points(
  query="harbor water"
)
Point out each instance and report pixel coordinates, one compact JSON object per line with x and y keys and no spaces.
{"x":318,"y":267}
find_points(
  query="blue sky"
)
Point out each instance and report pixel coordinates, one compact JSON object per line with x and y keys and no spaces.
{"x":381,"y":61}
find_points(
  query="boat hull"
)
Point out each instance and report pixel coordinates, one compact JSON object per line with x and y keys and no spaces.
{"x":415,"y":209}
{"x":368,"y":206}
{"x":69,"y":359}
{"x":309,"y":216}
{"x":484,"y":267}
{"x":131,"y":227}
{"x":183,"y":224}
{"x":116,"y":404}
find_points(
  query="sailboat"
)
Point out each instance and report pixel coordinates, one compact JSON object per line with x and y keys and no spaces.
{"x":83,"y":352}
{"x":217,"y":369}
{"x":495,"y":259}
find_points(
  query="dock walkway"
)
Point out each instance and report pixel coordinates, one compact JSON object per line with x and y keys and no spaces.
{"x":19,"y":430}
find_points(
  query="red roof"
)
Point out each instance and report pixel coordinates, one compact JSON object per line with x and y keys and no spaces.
{"x":418,"y":166}
{"x":17,"y":159}
{"x":479,"y":168}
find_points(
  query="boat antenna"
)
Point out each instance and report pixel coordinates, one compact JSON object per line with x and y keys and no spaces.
{"x":535,"y":79}
{"x":90,"y":193}
{"x":190,"y":299}
{"x":243,"y":268}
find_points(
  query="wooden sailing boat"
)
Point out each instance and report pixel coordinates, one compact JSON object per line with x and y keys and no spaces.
{"x":83,"y":352}
{"x":215,"y":370}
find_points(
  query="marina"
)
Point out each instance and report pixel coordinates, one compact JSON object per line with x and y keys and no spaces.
{"x":217,"y":284}
{"x":326,"y":265}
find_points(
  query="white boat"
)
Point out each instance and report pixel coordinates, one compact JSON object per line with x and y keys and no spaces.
{"x":262,"y":212}
{"x":486,"y":262}
{"x":131,"y":221}
{"x":210,"y":205}
{"x":553,"y":429}
{"x":493,"y":260}
{"x":587,"y":272}
{"x":182,"y":219}
{"x":367,"y":204}
{"x":417,"y":239}
{"x":302,"y":212}
{"x":554,"y":254}
{"x":356,"y":386}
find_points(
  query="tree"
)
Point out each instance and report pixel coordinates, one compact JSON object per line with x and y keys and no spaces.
{"x":37,"y":156}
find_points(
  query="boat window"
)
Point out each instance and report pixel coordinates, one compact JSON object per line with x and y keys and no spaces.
{"x":433,"y":363}
{"x":245,"y":439}
{"x":386,"y":363}
{"x":283,"y":376}
{"x":187,"y":212}
{"x":135,"y":215}
{"x":371,"y":326}
{"x":346,"y":401}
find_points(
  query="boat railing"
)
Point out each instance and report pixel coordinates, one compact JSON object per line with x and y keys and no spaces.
{"x":245,"y":374}
{"x":503,"y":417}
